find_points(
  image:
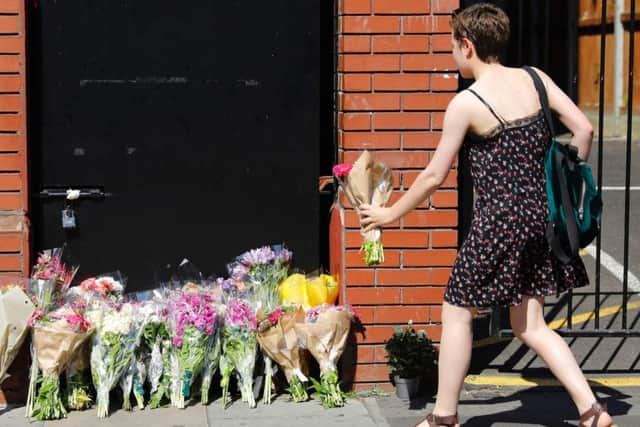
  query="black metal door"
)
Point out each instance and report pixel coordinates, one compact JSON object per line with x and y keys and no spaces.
{"x":201,"y":121}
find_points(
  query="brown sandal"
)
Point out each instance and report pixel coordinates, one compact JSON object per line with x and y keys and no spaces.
{"x":595,"y":411}
{"x":437,"y":421}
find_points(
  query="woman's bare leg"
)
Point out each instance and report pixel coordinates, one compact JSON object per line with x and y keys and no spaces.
{"x":454,"y":357}
{"x":528,"y":324}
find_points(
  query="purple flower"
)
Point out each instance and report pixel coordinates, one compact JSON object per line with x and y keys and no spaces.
{"x":237,"y":271}
{"x":263,"y":255}
{"x":227,"y":285}
{"x":284,"y":255}
{"x":240,"y":315}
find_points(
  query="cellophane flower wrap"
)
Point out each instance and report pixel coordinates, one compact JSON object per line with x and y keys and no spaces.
{"x":324,"y":333}
{"x":108,"y":288}
{"x":159,"y":365}
{"x":278,"y":339}
{"x":239,"y":347}
{"x":371,"y":182}
{"x":147,"y":364}
{"x":212,"y":358}
{"x":265,"y":268}
{"x":192,"y":323}
{"x":135,"y":374}
{"x":43,"y":293}
{"x":118,"y":332}
{"x":16,"y":308}
{"x":58,"y":336}
{"x":50,"y":266}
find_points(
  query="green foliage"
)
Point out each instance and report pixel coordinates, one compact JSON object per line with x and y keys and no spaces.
{"x":48,"y":405}
{"x":410,"y":353}
{"x":297,"y":390}
{"x":329,"y":392}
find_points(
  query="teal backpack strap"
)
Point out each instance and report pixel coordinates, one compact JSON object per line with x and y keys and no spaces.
{"x":559,"y":160}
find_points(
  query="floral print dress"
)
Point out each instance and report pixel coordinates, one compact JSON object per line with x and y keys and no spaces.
{"x":505,"y":254}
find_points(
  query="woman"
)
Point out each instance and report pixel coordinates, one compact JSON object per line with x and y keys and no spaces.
{"x":505,"y":260}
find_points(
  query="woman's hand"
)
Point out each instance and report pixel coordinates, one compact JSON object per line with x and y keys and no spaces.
{"x":374,"y":217}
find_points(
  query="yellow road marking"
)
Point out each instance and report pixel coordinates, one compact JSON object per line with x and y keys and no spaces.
{"x":629,"y":381}
{"x":585,"y":317}
{"x":557,"y":324}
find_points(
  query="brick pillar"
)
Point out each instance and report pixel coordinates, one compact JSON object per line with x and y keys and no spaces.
{"x":14,"y":228}
{"x":14,"y":248}
{"x":396,"y":77}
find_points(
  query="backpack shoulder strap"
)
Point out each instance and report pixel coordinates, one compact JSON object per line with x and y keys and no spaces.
{"x":542,"y":95}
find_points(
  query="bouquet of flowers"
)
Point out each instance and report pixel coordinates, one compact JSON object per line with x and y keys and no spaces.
{"x":211,"y":363}
{"x":78,"y":376}
{"x":324,"y":333}
{"x":262,"y":270}
{"x":239,"y":347}
{"x":371,"y":182}
{"x":277,"y":337}
{"x":42,"y":293}
{"x":51,"y":267}
{"x":118,"y":332}
{"x":135,"y":374}
{"x":159,"y":367}
{"x":15,"y":311}
{"x":109,"y":289}
{"x":192,"y":322}
{"x":57,"y":337}
{"x":312,"y":291}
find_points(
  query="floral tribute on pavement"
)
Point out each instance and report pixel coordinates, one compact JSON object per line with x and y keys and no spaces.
{"x":254,"y":333}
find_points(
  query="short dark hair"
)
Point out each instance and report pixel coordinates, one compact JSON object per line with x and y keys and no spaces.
{"x":486,"y":25}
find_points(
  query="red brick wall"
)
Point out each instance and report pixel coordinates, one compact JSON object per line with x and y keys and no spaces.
{"x":14,"y":231}
{"x":395,"y":79}
{"x":13,"y":154}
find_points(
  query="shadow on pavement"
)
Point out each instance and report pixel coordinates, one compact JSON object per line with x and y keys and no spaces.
{"x":538,"y":406}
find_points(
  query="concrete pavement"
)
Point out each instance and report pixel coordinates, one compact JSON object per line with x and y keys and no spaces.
{"x":280,"y":413}
{"x":515,"y":406}
{"x":480,"y":406}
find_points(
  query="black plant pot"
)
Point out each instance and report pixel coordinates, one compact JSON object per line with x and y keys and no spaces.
{"x":406,"y":388}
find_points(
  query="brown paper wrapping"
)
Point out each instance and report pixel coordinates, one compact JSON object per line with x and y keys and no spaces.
{"x":281,"y":344}
{"x":369,"y":182}
{"x":81,"y":361}
{"x":15,"y":311}
{"x":56,"y":345}
{"x":326,"y":338}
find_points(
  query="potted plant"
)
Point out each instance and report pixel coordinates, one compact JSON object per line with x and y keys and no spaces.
{"x":411,"y":357}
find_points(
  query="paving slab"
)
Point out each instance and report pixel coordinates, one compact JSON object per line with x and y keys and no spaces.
{"x":282,"y":412}
{"x":515,"y":406}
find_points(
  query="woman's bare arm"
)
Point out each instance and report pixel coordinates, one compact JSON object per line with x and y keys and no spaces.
{"x":456,"y":122}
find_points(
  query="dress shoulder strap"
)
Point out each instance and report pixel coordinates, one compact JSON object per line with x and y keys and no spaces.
{"x":500,"y":119}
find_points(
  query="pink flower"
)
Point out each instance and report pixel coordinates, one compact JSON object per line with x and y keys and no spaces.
{"x":37,"y":315}
{"x":88,"y":284}
{"x":177,"y":341}
{"x":341,"y":170}
{"x":275,"y":316}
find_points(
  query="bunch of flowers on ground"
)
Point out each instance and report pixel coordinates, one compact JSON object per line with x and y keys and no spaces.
{"x":192,"y":322}
{"x":57,"y":337}
{"x":118,"y":332}
{"x":239,"y":349}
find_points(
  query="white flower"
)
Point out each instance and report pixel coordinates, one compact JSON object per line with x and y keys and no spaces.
{"x":116,"y":322}
{"x":94,"y":317}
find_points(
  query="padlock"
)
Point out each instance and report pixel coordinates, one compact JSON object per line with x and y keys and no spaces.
{"x":68,"y":218}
